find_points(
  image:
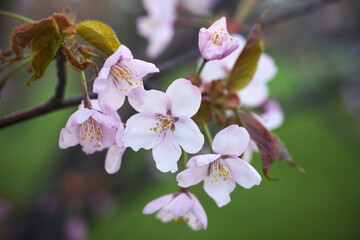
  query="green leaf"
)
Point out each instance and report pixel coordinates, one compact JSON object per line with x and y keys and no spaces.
{"x":246,"y":64}
{"x":75,"y":57}
{"x":99,"y":35}
{"x":43,"y":50}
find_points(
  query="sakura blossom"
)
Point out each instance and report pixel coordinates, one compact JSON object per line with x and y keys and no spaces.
{"x":222,"y":169}
{"x":158,"y":26}
{"x":257,"y":91}
{"x":120,"y":74}
{"x":215,"y":42}
{"x":90,"y":128}
{"x":180,"y":206}
{"x":115,"y":152}
{"x":164,"y":123}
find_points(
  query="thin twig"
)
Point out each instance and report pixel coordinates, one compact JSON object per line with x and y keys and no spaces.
{"x":165,"y":67}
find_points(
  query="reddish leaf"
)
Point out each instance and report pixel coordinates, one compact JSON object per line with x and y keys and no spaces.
{"x":264,"y":140}
{"x":27,"y":32}
{"x":246,"y":64}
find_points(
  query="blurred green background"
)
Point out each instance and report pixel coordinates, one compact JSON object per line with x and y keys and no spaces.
{"x":317,"y":85}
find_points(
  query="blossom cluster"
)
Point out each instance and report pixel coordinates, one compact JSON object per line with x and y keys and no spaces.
{"x":164,"y":121}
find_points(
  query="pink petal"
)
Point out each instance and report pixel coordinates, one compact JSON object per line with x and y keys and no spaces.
{"x":167,"y":153}
{"x":202,"y":160}
{"x":111,"y":99}
{"x":188,"y":135}
{"x":266,"y":69}
{"x":138,"y":134}
{"x":140,"y":67}
{"x":193,"y":222}
{"x":185,"y":98}
{"x":180,"y":205}
{"x":214,"y":70}
{"x":217,"y":25}
{"x":113,"y":159}
{"x":89,"y":147}
{"x":243,"y":173}
{"x":69,"y":137}
{"x":100,"y":83}
{"x":165,"y":216}
{"x":151,"y":101}
{"x":119,"y":136}
{"x":106,"y":121}
{"x":121,"y":53}
{"x":160,"y":40}
{"x":272,"y":117}
{"x":78,"y":117}
{"x":232,"y":140}
{"x":254,"y":94}
{"x":219,"y":190}
{"x":191,"y":176}
{"x":108,"y":137}
{"x":156,"y":204}
{"x":199,"y":211}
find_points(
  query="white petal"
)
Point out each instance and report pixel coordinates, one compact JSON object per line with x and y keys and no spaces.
{"x":165,"y":216}
{"x":254,"y":94}
{"x":69,"y":137}
{"x":188,"y":135}
{"x":199,"y":211}
{"x":202,"y":160}
{"x":191,"y":176}
{"x":151,"y":101}
{"x":213,"y":70}
{"x":185,"y":98}
{"x":167,"y":153}
{"x":180,"y":205}
{"x":219,"y":190}
{"x":243,"y":173}
{"x":156,"y":204}
{"x":113,"y":159}
{"x":138,"y":134}
{"x":111,"y":99}
{"x":266,"y":69}
{"x":232,"y":140}
{"x":192,"y":221}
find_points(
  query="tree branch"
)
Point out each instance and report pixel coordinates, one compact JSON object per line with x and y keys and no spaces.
{"x":57,"y":101}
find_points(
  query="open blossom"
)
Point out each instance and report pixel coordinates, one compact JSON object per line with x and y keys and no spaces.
{"x":215,"y":42}
{"x":164,"y":123}
{"x":256,"y":92}
{"x":179,"y":206}
{"x":115,"y":152}
{"x":120,"y":74}
{"x":222,"y":169}
{"x":90,"y":128}
{"x":158,"y":25}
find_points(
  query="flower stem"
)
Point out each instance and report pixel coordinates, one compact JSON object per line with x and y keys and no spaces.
{"x":207,"y":131}
{"x":237,"y":117}
{"x":16,"y":16}
{"x":12,"y":72}
{"x":185,"y":159}
{"x":87,"y":103}
{"x":196,"y":79}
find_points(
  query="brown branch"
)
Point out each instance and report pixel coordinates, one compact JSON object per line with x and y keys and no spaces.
{"x":57,"y":102}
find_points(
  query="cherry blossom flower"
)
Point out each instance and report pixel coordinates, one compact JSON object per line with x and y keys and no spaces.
{"x":158,"y":26}
{"x":115,"y":152}
{"x":222,"y":169}
{"x":256,"y":92}
{"x":164,"y":122}
{"x":90,"y":128}
{"x":120,"y":74}
{"x":215,"y":42}
{"x":180,"y":206}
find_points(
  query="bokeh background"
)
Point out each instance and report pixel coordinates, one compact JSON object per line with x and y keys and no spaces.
{"x":48,"y":193}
